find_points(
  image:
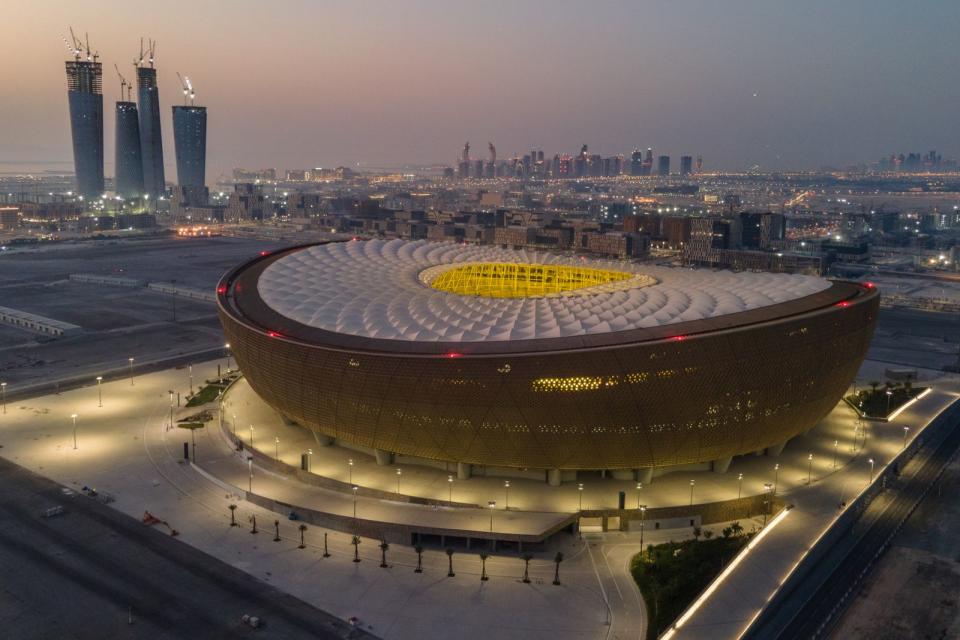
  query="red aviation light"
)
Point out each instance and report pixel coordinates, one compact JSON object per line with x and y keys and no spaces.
{"x":222,"y":290}
{"x":453,"y":354}
{"x":264,"y":253}
{"x":678,"y":338}
{"x":843,"y":304}
{"x":869,"y":285}
{"x":274,"y":334}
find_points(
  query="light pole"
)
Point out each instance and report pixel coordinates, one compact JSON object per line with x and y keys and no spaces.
{"x":871,"y":470}
{"x":506,"y":495}
{"x":766,"y":501}
{"x":355,"y":487}
{"x":251,"y":436}
{"x":739,"y":485}
{"x":171,"y":409}
{"x":809,"y":467}
{"x":227,"y":349}
{"x":692,"y":482}
{"x":639,"y":489}
{"x":836,"y":443}
{"x":99,"y":391}
{"x":250,"y":467}
{"x":580,"y":493}
{"x":399,"y":473}
{"x":190,"y":370}
{"x":776,"y":477}
{"x":3,"y":392}
{"x":450,"y":492}
{"x":906,"y":430}
{"x":276,"y":441}
{"x":73,"y":416}
{"x":350,"y":470}
{"x":130,"y":360}
{"x":889,"y":395}
{"x":310,"y":460}
{"x":493,"y":505}
{"x":234,"y":425}
{"x":643,"y":515}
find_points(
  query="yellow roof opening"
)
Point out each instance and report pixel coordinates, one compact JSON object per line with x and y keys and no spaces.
{"x":520,"y":280}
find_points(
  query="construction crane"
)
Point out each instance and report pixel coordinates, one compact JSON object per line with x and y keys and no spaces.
{"x":187,"y":89}
{"x":150,"y":53}
{"x":124,"y":85}
{"x":73,"y":45}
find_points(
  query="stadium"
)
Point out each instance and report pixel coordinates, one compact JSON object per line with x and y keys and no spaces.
{"x":500,"y":359}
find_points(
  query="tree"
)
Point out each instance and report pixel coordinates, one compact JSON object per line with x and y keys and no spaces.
{"x":384,"y":547}
{"x":233,"y":521}
{"x":737,"y":528}
{"x":873,"y":386}
{"x":419,"y":550}
{"x":302,"y":528}
{"x":450,"y":572}
{"x":707,"y":534}
{"x":526,"y":567}
{"x":727,"y":532}
{"x":557,"y":559}
{"x":483,"y":566}
{"x":696,"y":533}
{"x":355,"y":541}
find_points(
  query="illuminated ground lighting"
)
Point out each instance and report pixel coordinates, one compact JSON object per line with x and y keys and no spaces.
{"x":723,"y":576}
{"x":903,"y":407}
{"x":519,"y":280}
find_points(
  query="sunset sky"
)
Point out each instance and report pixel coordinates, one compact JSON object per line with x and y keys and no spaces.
{"x":293,"y":84}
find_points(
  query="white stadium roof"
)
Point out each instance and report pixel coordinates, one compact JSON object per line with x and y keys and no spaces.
{"x":377,"y":289}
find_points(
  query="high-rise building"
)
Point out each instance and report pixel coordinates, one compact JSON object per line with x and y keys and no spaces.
{"x":151,"y":142}
{"x":686,"y":165}
{"x":636,"y":163}
{"x":85,"y":95}
{"x":648,"y":162}
{"x":128,"y":160}
{"x":663,"y":166}
{"x":190,"y":144}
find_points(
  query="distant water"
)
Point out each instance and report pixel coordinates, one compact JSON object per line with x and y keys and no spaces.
{"x":35,"y":167}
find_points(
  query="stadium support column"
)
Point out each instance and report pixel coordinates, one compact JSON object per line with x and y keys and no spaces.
{"x":464,"y":470}
{"x":383,"y":457}
{"x":554,"y":477}
{"x":720,"y":465}
{"x":645,"y":475}
{"x":776,"y":449}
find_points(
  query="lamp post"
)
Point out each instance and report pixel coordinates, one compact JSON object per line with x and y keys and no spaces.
{"x":234,"y":425}
{"x":506,"y":495}
{"x":276,"y":441}
{"x":692,"y":482}
{"x":871,"y":470}
{"x":889,"y":395}
{"x":450,"y":492}
{"x":3,"y":393}
{"x":350,"y":470}
{"x":399,"y":473}
{"x":580,"y":493}
{"x":99,"y":391}
{"x":354,"y":488}
{"x":643,"y":515}
{"x":836,"y":443}
{"x":73,"y":417}
{"x":251,"y":436}
{"x":639,"y":489}
{"x":766,"y":500}
{"x":250,"y":467}
{"x":493,"y":505}
{"x":227,"y":349}
{"x":130,"y":360}
{"x":776,"y":477}
{"x":190,"y":371}
{"x":739,"y":485}
{"x":310,"y":460}
{"x":809,"y":467}
{"x":906,"y":430}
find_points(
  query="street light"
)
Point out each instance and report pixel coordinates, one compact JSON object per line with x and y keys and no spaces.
{"x":130,"y":360}
{"x":776,"y":477}
{"x":643,"y":515}
{"x":506,"y":492}
{"x":310,"y":460}
{"x":234,"y":425}
{"x":836,"y":443}
{"x":190,"y":370}
{"x":399,"y":473}
{"x":355,"y":487}
{"x":871,"y":469}
{"x":350,"y":470}
{"x":250,"y":466}
{"x":227,"y":348}
{"x":766,"y":500}
{"x":739,"y":485}
{"x":580,"y":493}
{"x":73,"y":416}
{"x":276,"y":441}
{"x":493,"y":505}
{"x":889,"y":395}
{"x":809,"y":467}
{"x":3,"y":392}
{"x":639,"y":489}
{"x":906,"y":430}
{"x":692,"y":482}
{"x":251,"y":436}
{"x":450,"y":487}
{"x":171,"y":409}
{"x":99,"y":391}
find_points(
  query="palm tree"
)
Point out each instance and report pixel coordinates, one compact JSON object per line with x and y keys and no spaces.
{"x":526,"y":567}
{"x":450,"y":572}
{"x":696,"y":533}
{"x":384,"y":546}
{"x":483,"y":566}
{"x":707,"y":534}
{"x":557,"y":559}
{"x":419,"y":549}
{"x":302,"y":528}
{"x":873,"y":386}
{"x":233,"y":521}
{"x":736,"y":528}
{"x":355,"y":541}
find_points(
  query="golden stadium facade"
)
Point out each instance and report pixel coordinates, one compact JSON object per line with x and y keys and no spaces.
{"x":488,"y":356}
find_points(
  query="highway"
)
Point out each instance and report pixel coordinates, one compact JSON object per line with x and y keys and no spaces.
{"x":809,"y":607}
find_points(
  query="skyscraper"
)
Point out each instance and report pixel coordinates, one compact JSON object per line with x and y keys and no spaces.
{"x":663,"y":165}
{"x":686,"y":165}
{"x":151,"y":143}
{"x":636,"y":163}
{"x":85,"y":95}
{"x":190,"y":144}
{"x":129,"y":162}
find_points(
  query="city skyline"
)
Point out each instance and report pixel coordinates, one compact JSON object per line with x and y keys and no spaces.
{"x":741,"y":86}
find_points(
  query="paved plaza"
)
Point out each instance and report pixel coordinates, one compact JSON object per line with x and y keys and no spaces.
{"x":126,"y":449}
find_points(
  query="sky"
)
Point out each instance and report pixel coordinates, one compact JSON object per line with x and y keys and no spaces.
{"x":304,"y":83}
